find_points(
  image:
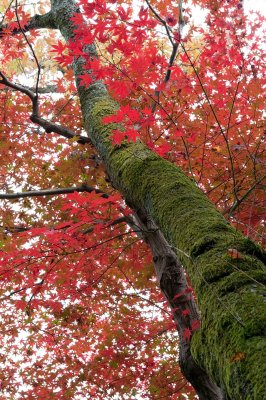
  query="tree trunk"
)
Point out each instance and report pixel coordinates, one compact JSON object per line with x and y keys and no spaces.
{"x":230,"y":346}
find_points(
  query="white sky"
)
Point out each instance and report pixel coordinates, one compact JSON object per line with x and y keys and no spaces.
{"x":256,"y":5}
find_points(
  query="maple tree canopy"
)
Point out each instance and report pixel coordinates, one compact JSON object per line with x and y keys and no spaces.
{"x":132,"y":196}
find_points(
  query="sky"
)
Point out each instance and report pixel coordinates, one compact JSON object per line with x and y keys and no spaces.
{"x":256,"y":5}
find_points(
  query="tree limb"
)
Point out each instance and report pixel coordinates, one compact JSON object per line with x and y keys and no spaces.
{"x":45,"y":21}
{"x":13,"y":229}
{"x":52,"y":192}
{"x":36,"y":118}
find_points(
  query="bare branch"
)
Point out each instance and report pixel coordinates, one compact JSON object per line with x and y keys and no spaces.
{"x":52,"y":192}
{"x":60,"y":130}
{"x":13,"y":229}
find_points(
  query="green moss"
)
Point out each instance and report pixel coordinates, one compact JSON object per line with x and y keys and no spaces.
{"x":231,"y":343}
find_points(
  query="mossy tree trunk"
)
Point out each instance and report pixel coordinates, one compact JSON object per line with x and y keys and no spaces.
{"x":230,"y":346}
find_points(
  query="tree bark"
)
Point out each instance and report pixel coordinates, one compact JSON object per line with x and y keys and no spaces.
{"x":173,"y":283}
{"x":230,"y":346}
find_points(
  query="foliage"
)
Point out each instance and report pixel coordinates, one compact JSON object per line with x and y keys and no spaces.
{"x":89,"y":320}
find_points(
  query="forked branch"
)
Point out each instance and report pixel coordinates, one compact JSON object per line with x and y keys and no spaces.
{"x":36,"y":118}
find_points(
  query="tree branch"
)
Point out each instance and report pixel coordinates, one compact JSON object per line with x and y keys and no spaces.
{"x":239,"y":201}
{"x":173,"y":43}
{"x":13,"y":229}
{"x":36,"y":118}
{"x":30,"y":47}
{"x":224,"y":134}
{"x":52,"y":192}
{"x":45,"y":89}
{"x":45,"y":21}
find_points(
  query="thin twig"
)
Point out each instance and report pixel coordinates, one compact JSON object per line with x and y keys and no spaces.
{"x":174,"y":44}
{"x":231,"y":110}
{"x":216,"y":119}
{"x":31,"y":49}
{"x":239,"y":201}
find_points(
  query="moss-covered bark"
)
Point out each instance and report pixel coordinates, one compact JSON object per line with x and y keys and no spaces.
{"x":231,"y":294}
{"x":231,"y":343}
